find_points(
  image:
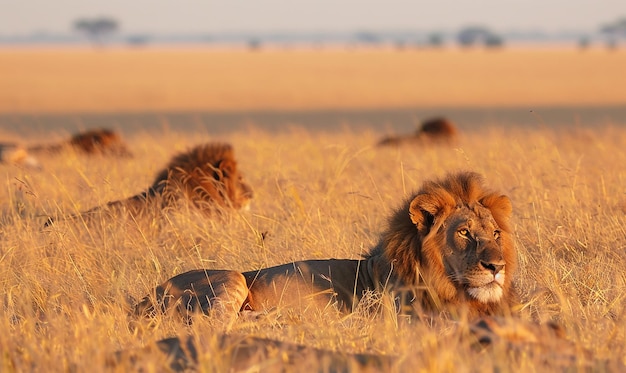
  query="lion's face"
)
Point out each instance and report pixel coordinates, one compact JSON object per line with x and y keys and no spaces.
{"x":465,"y":250}
{"x":473,"y":257}
{"x":231,"y":185}
{"x":243,"y":193}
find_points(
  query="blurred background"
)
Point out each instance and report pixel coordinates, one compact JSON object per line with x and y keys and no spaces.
{"x":316,"y":63}
{"x":294,"y":23}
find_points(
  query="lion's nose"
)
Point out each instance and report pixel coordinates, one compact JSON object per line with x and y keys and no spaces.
{"x":494,"y":268}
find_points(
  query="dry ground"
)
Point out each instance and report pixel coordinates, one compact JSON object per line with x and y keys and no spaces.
{"x":113,"y":80}
{"x":67,"y":290}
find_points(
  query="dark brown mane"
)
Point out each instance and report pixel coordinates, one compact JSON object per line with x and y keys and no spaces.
{"x":99,"y":141}
{"x":432,"y":131}
{"x":205,"y":176}
{"x":414,"y":254}
{"x":461,"y":188}
{"x":205,"y":157}
{"x":437,"y":128}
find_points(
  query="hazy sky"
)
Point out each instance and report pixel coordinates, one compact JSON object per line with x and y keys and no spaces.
{"x":207,"y":16}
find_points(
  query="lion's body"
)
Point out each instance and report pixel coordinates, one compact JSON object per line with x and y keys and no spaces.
{"x":319,"y":283}
{"x":434,"y":131}
{"x":100,"y":141}
{"x":206,"y":177}
{"x":421,"y":259}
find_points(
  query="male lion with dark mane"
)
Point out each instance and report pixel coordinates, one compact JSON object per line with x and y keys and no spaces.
{"x":433,"y":131}
{"x":205,"y":176}
{"x":100,"y":141}
{"x":448,"y":248}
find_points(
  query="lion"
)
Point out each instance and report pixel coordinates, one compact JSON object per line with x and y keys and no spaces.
{"x":437,"y":130}
{"x":243,"y":352}
{"x":15,"y":154}
{"x":206,"y":176}
{"x":545,"y":343}
{"x":100,"y":141}
{"x":447,"y":249}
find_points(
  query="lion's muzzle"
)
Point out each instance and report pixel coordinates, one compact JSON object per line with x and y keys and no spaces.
{"x":487,"y":279}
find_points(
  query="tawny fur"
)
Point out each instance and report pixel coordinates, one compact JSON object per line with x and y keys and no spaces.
{"x":101,"y":141}
{"x":450,"y":241}
{"x":15,"y":154}
{"x":206,"y":177}
{"x":432,"y":131}
{"x":521,"y":339}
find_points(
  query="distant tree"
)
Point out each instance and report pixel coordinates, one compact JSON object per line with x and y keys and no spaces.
{"x":137,"y":40}
{"x":493,"y":41}
{"x":367,"y":37}
{"x":400,"y":44}
{"x":96,"y":29}
{"x":254,"y":44}
{"x":584,"y":42}
{"x":470,"y":36}
{"x":474,"y":35}
{"x":435,"y":40}
{"x":614,"y":31}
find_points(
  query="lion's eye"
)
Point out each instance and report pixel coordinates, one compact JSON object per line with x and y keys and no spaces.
{"x":496,"y":234}
{"x":464,"y":232}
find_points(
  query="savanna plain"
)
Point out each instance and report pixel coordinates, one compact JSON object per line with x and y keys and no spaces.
{"x":68,"y":289}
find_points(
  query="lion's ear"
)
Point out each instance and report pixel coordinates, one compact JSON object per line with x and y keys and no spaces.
{"x":227,"y":166}
{"x":425,"y":208}
{"x":500,"y":207}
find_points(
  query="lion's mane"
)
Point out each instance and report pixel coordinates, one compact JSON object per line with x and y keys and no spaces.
{"x":98,"y":141}
{"x":433,"y":131}
{"x":206,"y":176}
{"x":416,"y":254}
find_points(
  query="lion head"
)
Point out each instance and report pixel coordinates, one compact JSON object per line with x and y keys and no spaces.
{"x":437,"y":130}
{"x":453,"y":238}
{"x":207,"y":176}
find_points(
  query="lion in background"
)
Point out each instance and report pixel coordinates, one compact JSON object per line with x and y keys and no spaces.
{"x":15,"y":154}
{"x":101,"y":141}
{"x":247,"y":352}
{"x":432,"y":131}
{"x":448,"y":248}
{"x":206,"y":177}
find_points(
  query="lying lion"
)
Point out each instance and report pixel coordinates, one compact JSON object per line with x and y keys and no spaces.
{"x":449,"y":248}
{"x":100,"y":141}
{"x":544,"y":344}
{"x":15,"y":154}
{"x":205,"y":176}
{"x":437,"y":130}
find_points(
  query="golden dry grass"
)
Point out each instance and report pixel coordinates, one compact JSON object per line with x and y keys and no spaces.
{"x":67,"y":291}
{"x":85,"y":80}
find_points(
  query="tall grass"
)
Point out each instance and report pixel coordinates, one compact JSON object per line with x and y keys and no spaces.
{"x":68,"y":289}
